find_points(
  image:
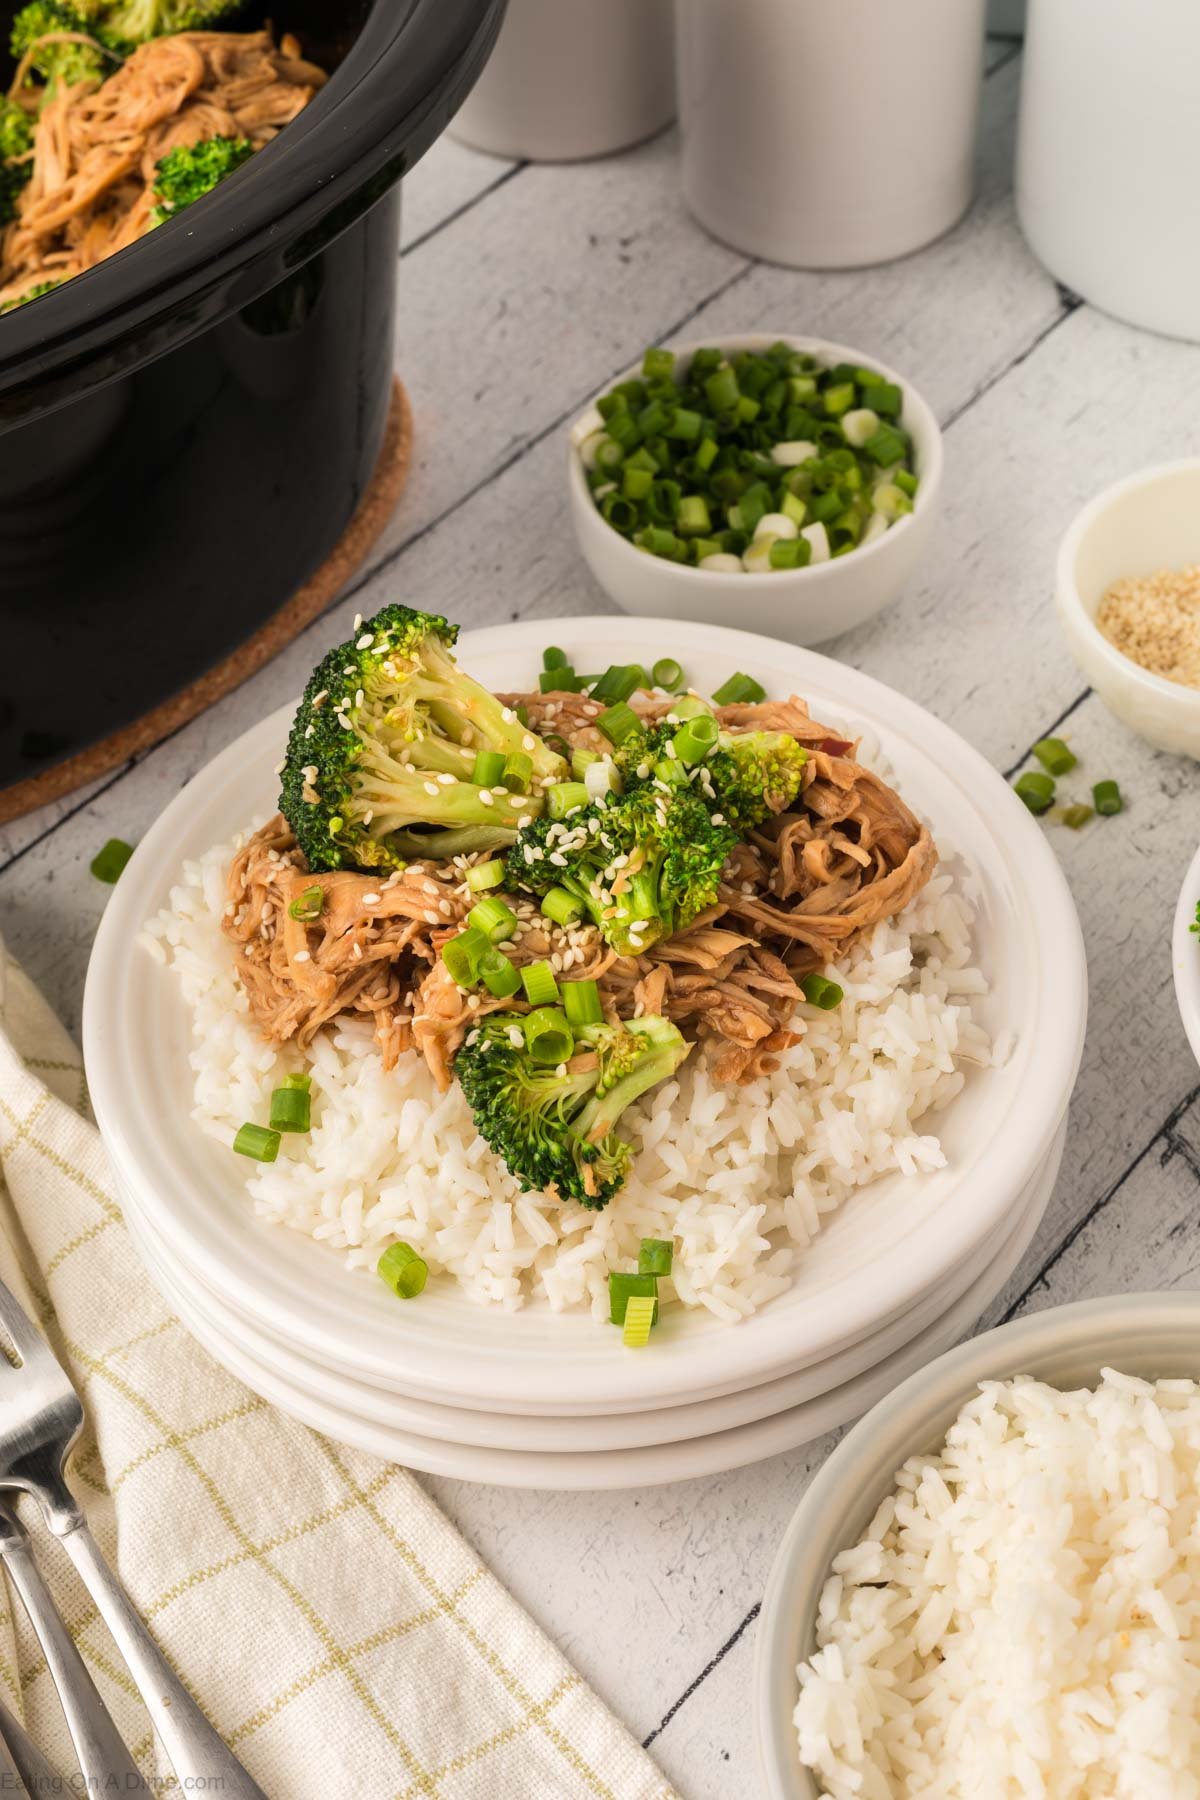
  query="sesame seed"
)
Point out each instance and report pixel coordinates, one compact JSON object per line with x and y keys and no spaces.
{"x":561,"y":1071}
{"x":445,"y":908}
{"x":445,"y":780}
{"x":718,"y":818}
{"x":508,"y":715}
{"x":485,"y":797}
{"x":368,"y":816}
{"x":473,"y":1002}
{"x":431,"y":788}
{"x":321,"y":698}
{"x":528,"y":742}
{"x":280,"y":767}
{"x":300,"y":956}
{"x":558,"y":859}
{"x":371,"y":899}
{"x":357,"y":626}
{"x":432,"y":918}
{"x":516,"y":1036}
{"x":365,"y":641}
{"x":309,"y":730}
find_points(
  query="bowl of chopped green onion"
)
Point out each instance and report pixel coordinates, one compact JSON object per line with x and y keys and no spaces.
{"x":786,"y":485}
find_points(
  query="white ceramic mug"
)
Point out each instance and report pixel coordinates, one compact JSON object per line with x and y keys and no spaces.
{"x":1108,"y":151}
{"x":573,"y":78}
{"x":829,"y":133}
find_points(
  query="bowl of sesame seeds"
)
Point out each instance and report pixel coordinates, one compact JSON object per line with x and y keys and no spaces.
{"x":1128,"y":597}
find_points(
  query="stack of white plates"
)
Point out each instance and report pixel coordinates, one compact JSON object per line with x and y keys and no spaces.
{"x":542,"y":1400}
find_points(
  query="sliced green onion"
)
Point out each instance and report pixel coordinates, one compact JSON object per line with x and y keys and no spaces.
{"x":906,"y":482}
{"x":581,"y":1003}
{"x":740,"y":690}
{"x":489,"y":768}
{"x":1106,"y":796}
{"x":464,"y":954}
{"x":822,"y":993}
{"x":690,"y":706}
{"x":291,"y":1109}
{"x":655,"y":1257}
{"x":657,"y":365}
{"x":564,"y":797}
{"x":886,"y":446}
{"x":1076,"y":817}
{"x":108,"y":864}
{"x":256,"y":1142}
{"x":695,"y":739}
{"x":403,"y":1270}
{"x":618,"y":682}
{"x":640,"y":1314}
{"x":623,"y":1288}
{"x":498,"y":974}
{"x":693,"y":518}
{"x":496,"y":920}
{"x":554,"y":658}
{"x":667,"y":674}
{"x":1055,"y":757}
{"x":582,"y":760}
{"x":617,"y":723}
{"x":562,"y":907}
{"x":557,"y":681}
{"x":302,"y":1083}
{"x":789,"y":553}
{"x":518,"y":772}
{"x":485,"y":876}
{"x":548,"y":1037}
{"x":541,"y":988}
{"x":722,"y":390}
{"x":307,"y":906}
{"x":1037,"y":791}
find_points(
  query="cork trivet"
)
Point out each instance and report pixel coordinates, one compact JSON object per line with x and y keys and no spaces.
{"x":307,"y":604}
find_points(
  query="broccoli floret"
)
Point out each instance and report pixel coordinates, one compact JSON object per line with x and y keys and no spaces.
{"x":133,"y":22}
{"x":641,"y":865}
{"x":60,"y":57}
{"x":382,"y":751}
{"x":557,"y":1131}
{"x":190,"y":171}
{"x":747,"y":777}
{"x":755,"y":774}
{"x":16,"y":142}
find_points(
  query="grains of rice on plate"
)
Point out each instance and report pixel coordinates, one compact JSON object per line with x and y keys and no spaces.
{"x":741,"y":1178}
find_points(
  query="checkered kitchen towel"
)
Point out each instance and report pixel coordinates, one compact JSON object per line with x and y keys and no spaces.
{"x":335,"y":1628}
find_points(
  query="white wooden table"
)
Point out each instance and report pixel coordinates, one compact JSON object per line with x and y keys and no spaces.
{"x":525,"y":289}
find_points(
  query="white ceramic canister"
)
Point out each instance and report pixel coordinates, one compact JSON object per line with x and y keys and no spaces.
{"x":1108,"y":154}
{"x":573,"y":78}
{"x":829,"y":133}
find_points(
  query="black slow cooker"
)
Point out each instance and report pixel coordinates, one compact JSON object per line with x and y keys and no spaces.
{"x":187,"y":430}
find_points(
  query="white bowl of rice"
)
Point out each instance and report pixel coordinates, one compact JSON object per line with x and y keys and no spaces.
{"x":931,"y":1625}
{"x":1128,"y":595}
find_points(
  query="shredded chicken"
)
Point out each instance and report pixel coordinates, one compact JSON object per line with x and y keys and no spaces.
{"x":797,"y":895}
{"x":97,"y":145}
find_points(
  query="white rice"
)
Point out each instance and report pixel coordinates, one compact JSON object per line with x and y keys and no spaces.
{"x":740,"y":1178}
{"x":1022,"y":1617}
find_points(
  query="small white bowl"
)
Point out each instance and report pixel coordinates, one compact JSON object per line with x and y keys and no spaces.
{"x":806,"y":606}
{"x":1151,"y":1335}
{"x":1147,"y":522}
{"x":1185,"y":955}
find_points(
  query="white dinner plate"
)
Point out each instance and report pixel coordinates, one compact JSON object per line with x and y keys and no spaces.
{"x":891,"y":1243}
{"x":593,"y":1432}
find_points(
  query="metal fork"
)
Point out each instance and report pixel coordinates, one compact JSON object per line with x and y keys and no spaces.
{"x":103,"y":1757}
{"x":39,"y":1776}
{"x":40,"y":1419}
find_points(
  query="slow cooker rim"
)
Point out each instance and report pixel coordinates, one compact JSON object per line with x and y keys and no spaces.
{"x":374,"y":112}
